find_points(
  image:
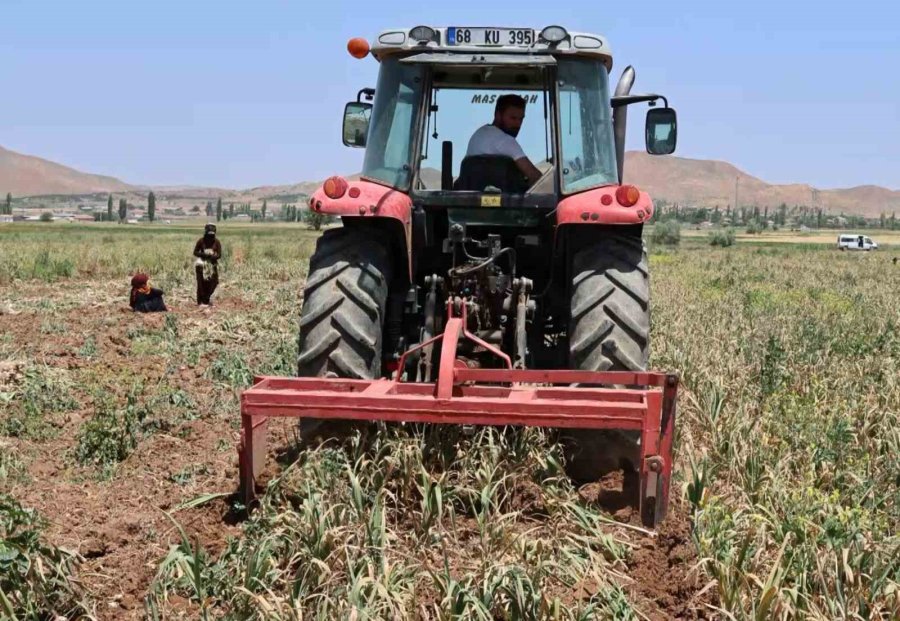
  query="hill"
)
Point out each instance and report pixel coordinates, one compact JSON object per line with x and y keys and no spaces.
{"x":26,"y":175}
{"x":675,"y":179}
{"x":707,"y":183}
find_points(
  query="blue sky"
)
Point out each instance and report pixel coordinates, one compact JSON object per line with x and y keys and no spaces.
{"x":240,"y":94}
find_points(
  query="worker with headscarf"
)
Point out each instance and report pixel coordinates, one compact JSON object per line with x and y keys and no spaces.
{"x":144,"y":298}
{"x":208,"y":251}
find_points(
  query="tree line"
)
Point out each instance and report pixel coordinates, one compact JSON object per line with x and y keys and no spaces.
{"x":289,"y":212}
{"x":783,"y":216}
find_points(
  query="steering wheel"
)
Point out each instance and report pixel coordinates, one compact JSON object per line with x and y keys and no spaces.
{"x":546,"y":177}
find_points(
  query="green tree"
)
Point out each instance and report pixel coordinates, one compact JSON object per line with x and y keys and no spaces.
{"x":219,"y":209}
{"x":316,"y":219}
{"x":46,"y":217}
{"x":230,"y":210}
{"x":209,"y":209}
{"x":123,"y":210}
{"x":8,"y":208}
{"x":263,"y":210}
{"x":666,"y":233}
{"x":782,"y":214}
{"x":109,"y":205}
{"x":151,"y":206}
{"x":723,"y":238}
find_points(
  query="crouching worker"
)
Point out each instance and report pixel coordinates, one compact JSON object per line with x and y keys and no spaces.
{"x":144,"y":298}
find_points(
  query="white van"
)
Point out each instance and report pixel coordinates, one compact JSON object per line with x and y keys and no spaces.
{"x":856,"y":242}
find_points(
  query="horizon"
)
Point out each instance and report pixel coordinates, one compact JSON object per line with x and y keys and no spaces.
{"x":213,"y":99}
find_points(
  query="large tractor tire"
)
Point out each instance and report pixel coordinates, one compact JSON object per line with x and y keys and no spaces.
{"x":609,"y":330}
{"x":342,"y":318}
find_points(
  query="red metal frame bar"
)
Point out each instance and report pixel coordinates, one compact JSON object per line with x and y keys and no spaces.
{"x":556,"y":399}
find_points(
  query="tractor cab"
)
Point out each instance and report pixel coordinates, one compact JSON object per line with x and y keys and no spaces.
{"x":437,"y":86}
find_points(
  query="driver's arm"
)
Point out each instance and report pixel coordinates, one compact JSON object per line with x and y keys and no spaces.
{"x":528,"y":169}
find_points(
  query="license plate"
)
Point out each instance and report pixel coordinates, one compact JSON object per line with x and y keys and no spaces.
{"x":488,"y":37}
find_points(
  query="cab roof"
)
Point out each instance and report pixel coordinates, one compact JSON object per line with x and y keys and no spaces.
{"x":445,"y":40}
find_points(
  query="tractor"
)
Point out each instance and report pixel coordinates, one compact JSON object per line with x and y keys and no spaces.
{"x":457,"y":289}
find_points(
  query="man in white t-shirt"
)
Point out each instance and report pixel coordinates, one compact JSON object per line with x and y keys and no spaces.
{"x":499,"y":138}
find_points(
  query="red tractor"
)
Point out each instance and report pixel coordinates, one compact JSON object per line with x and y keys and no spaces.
{"x":469,"y":285}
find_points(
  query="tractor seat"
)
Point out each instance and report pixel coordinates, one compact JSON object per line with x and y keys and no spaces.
{"x":477,"y":172}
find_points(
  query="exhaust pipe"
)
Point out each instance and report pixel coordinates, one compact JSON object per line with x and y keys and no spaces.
{"x":620,"y":116}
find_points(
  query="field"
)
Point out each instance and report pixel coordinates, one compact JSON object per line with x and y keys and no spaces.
{"x":118,"y":465}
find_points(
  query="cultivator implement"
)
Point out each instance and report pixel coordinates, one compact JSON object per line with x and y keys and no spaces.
{"x":474,"y":396}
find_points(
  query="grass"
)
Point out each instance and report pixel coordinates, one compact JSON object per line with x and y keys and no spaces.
{"x":57,"y":253}
{"x":788,"y":446}
{"x":410,"y":522}
{"x":33,"y":403}
{"x":789,"y":426}
{"x":13,"y":469}
{"x":36,"y":579}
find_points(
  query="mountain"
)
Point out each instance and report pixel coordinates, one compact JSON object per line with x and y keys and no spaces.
{"x":674,"y":179}
{"x":707,"y":183}
{"x":25,"y":175}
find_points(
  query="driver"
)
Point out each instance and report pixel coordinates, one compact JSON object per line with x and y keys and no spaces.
{"x":499,"y":137}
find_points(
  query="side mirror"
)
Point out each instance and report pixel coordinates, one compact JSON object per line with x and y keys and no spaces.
{"x":356,"y":123}
{"x":661,"y":131}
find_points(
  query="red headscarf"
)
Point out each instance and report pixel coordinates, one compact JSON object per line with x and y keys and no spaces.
{"x":139,"y":285}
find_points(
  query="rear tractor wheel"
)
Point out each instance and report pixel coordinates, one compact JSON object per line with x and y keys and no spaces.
{"x":609,"y":330}
{"x":342,"y":318}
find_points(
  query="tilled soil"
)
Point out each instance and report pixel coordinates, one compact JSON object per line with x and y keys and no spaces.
{"x":119,"y":524}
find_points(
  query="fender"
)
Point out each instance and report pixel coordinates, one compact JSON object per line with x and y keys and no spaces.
{"x":599,"y":206}
{"x":365,"y":199}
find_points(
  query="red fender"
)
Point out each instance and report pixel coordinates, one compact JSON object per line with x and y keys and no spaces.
{"x":365,"y":199}
{"x":599,"y":206}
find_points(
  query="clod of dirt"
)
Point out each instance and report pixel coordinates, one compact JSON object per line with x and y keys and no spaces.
{"x":11,"y":372}
{"x":527,"y":498}
{"x":615,"y":493}
{"x":94,"y":547}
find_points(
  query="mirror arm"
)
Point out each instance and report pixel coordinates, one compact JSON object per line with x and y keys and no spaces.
{"x":369,"y":93}
{"x":627,"y":100}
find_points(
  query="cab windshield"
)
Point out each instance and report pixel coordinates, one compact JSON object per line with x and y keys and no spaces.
{"x":462,"y":100}
{"x":389,"y":143}
{"x":586,"y":134}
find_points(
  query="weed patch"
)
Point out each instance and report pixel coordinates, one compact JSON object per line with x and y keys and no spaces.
{"x":35,"y":578}
{"x":34,"y":402}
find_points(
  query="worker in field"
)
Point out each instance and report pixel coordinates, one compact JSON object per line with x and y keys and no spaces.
{"x":208,"y":251}
{"x":499,"y":138}
{"x":144,"y":298}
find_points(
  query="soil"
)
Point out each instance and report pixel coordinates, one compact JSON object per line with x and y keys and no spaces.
{"x":663,"y":567}
{"x":119,"y":525}
{"x":665,"y":573}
